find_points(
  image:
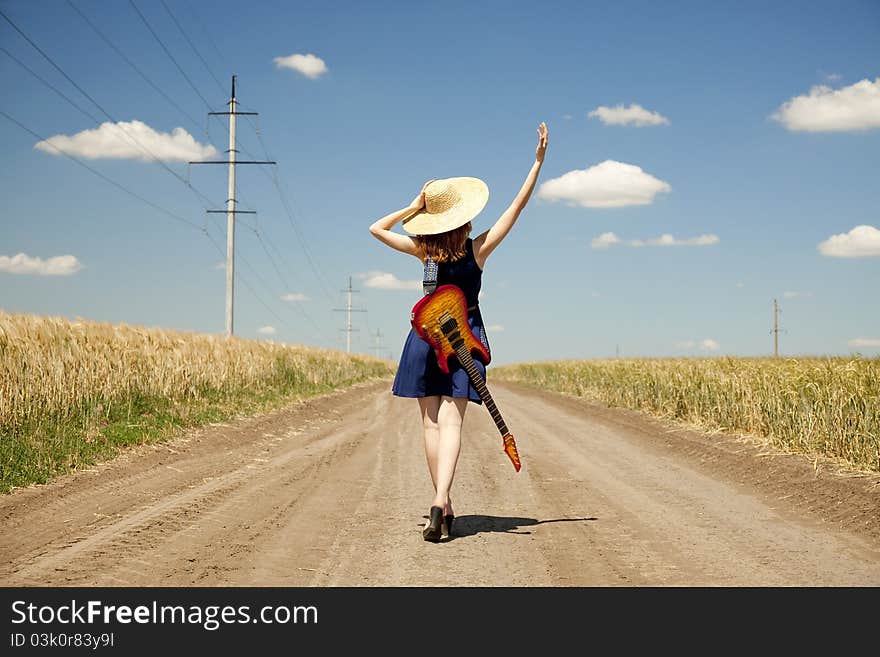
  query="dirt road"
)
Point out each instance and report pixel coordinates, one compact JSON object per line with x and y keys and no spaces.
{"x":333,"y":491}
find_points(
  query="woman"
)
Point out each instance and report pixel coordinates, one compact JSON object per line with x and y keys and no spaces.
{"x":439,"y":219}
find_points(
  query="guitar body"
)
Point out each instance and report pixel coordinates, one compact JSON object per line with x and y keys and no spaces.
{"x":426,"y":321}
{"x":440,"y":319}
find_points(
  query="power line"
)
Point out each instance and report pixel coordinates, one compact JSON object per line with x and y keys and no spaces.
{"x":208,"y":35}
{"x":321,"y":279}
{"x":102,"y":176}
{"x":115,"y":121}
{"x":248,"y":285}
{"x":274,"y":264}
{"x":134,"y":66}
{"x":49,"y":59}
{"x":173,"y":215}
{"x":168,"y":52}
{"x":48,"y":84}
{"x":253,"y":269}
{"x":290,"y":216}
{"x":179,"y":67}
{"x":192,"y":45}
{"x":284,"y":282}
{"x":174,"y":60}
{"x":275,"y":248}
{"x":73,"y":103}
{"x":103,"y":111}
{"x":143,"y":75}
{"x":232,"y":212}
{"x":98,"y":105}
{"x":265,"y":283}
{"x":259,"y":231}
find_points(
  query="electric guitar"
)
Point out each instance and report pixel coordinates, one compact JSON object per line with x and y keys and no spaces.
{"x":440,"y":319}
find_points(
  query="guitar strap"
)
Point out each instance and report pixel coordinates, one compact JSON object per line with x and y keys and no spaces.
{"x":429,"y":281}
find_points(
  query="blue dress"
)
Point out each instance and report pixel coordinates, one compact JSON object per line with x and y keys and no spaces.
{"x":418,"y":374}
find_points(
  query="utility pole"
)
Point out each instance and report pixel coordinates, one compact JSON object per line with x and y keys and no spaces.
{"x":775,"y":329}
{"x":348,"y":309}
{"x":230,"y":204}
{"x":378,"y":346}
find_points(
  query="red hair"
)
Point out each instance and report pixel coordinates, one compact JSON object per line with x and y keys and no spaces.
{"x":445,"y":247}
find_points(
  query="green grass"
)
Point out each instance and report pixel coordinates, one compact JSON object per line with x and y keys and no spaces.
{"x":55,"y":445}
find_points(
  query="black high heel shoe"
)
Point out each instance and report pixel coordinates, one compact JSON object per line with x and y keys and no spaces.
{"x":447,"y":524}
{"x":434,"y":530}
{"x":447,"y":520}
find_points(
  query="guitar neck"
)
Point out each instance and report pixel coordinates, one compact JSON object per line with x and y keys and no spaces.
{"x":467,"y":362}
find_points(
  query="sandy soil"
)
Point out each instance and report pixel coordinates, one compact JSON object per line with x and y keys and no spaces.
{"x":333,"y":492}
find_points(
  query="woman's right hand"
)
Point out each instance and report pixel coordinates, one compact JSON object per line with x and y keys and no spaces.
{"x":542,"y":142}
{"x":418,"y":202}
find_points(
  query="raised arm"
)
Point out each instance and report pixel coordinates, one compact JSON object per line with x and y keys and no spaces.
{"x":381,"y":229}
{"x":485,"y":243}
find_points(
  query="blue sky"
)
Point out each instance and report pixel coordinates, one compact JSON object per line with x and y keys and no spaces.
{"x":747,"y":133}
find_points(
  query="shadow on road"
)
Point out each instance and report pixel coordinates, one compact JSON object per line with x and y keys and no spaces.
{"x":473,"y":525}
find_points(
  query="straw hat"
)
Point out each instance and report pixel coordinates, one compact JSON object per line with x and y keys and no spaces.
{"x":449,"y":203}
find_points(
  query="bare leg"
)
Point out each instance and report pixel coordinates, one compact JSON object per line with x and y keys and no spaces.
{"x":429,"y":407}
{"x":449,"y":418}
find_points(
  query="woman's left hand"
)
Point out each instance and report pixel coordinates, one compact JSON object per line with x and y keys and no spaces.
{"x":418,"y":203}
{"x":542,"y":142}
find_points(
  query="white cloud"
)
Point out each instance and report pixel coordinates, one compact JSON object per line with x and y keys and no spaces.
{"x":740,"y":285}
{"x":856,"y":107}
{"x":608,"y":239}
{"x":860,"y":242}
{"x":309,"y":65}
{"x":385,"y":281}
{"x":668,"y":240}
{"x":793,"y":295}
{"x":133,"y":140}
{"x":21,"y":263}
{"x":295,"y":296}
{"x":221,"y":264}
{"x":635,"y":115}
{"x":567,"y":117}
{"x":266,"y":330}
{"x":604,"y":241}
{"x":709,"y":345}
{"x":494,"y":328}
{"x":864,"y":342}
{"x":832,"y":77}
{"x":609,"y":184}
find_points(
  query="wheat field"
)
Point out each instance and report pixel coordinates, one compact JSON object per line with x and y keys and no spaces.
{"x":72,"y":391}
{"x":828,"y":406}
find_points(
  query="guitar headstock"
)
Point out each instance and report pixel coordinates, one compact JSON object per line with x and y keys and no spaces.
{"x":511,"y":451}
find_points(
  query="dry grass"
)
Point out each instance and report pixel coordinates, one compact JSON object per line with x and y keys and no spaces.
{"x":71,"y":391}
{"x":827,"y":406}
